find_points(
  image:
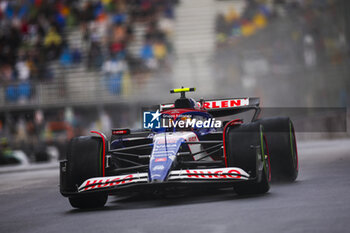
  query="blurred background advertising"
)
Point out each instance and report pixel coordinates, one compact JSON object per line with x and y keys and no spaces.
{"x":68,"y":67}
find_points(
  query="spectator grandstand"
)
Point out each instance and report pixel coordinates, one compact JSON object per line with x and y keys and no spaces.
{"x":34,"y":34}
{"x":54,"y":54}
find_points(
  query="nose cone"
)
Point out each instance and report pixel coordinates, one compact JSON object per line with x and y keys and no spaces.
{"x":159,"y":168}
{"x":166,"y":146}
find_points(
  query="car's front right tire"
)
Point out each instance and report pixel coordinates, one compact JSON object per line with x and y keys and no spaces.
{"x":280,"y":135}
{"x":246,"y":149}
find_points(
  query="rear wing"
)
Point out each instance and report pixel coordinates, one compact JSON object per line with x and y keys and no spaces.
{"x":225,"y":106}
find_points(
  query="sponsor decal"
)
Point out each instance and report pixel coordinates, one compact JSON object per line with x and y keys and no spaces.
{"x":216,"y":173}
{"x":166,"y":106}
{"x":216,"y":104}
{"x":170,"y":139}
{"x":120,"y":131}
{"x":158,"y":167}
{"x":160,"y":159}
{"x":105,"y":182}
{"x":212,"y":104}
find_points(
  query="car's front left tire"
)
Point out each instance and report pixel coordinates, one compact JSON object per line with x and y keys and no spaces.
{"x":88,"y":201}
{"x":84,"y":161}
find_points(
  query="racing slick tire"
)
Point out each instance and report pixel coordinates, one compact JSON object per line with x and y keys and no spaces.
{"x":84,"y":161}
{"x":247,"y":149}
{"x":281,"y":140}
{"x":88,"y":201}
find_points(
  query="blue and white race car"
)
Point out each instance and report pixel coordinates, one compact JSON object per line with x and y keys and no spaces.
{"x":186,"y":146}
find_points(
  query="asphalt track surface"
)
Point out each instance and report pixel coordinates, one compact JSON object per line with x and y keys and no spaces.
{"x":319,"y":201}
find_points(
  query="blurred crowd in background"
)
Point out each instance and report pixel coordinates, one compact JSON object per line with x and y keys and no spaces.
{"x":318,"y":26}
{"x":108,"y":32}
{"x":287,"y":43}
{"x":33,"y":34}
{"x":300,"y":41}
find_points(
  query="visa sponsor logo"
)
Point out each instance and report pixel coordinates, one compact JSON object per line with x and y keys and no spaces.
{"x":158,"y":168}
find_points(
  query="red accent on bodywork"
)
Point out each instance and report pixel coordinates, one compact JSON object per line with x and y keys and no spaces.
{"x":91,"y":186}
{"x":193,"y":173}
{"x":233,"y":122}
{"x":217,"y":174}
{"x":120,"y":131}
{"x":237,"y":172}
{"x":195,"y":137}
{"x":103,"y":150}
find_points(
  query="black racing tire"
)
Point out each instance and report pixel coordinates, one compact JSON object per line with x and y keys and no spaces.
{"x":84,"y":161}
{"x":244,"y":143}
{"x":88,"y":201}
{"x":282,"y":145}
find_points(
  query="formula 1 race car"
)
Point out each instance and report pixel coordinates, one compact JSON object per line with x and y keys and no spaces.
{"x":182,"y":145}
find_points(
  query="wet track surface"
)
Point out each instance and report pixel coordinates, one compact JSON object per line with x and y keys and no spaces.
{"x":319,"y":201}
